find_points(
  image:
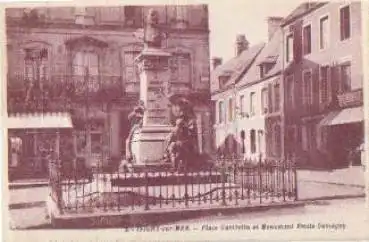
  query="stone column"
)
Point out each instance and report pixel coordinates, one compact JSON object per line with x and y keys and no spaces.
{"x":149,"y":142}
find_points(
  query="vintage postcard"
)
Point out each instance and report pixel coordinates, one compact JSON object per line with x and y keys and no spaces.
{"x":186,"y":120}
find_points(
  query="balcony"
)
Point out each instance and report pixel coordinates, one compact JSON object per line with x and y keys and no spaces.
{"x":58,"y":93}
{"x":349,"y":99}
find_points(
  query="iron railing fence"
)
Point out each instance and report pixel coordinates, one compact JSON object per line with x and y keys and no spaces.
{"x":225,"y":183}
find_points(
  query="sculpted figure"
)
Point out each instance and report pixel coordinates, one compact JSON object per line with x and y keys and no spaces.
{"x":152,"y":34}
{"x":135,"y":119}
{"x":182,"y":140}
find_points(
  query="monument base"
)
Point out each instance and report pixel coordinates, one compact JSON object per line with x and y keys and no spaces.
{"x":149,"y":143}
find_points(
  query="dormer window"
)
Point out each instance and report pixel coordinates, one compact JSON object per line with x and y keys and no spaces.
{"x":223,"y":80}
{"x":266,"y":66}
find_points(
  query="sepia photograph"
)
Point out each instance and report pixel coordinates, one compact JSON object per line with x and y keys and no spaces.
{"x":186,"y":118}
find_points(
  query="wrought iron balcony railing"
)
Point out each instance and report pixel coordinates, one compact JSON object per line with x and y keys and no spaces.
{"x":57,"y":93}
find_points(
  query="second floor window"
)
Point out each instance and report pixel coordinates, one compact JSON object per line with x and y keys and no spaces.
{"x":345,"y":27}
{"x":133,"y":16}
{"x":324,"y":32}
{"x":36,"y":65}
{"x":230,"y":110}
{"x":290,"y":92}
{"x":252,"y":141}
{"x":307,"y":88}
{"x":264,"y":100}
{"x":252,"y":103}
{"x":131,"y":71}
{"x":86,"y":68}
{"x":221,"y":112}
{"x":307,"y":39}
{"x":345,"y":77}
{"x":289,"y":48}
{"x":180,"y":67}
{"x":277,"y":97}
{"x":324,"y":80}
{"x":241,"y":105}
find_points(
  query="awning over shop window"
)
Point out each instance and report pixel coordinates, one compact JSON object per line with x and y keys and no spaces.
{"x":344,"y":116}
{"x":39,"y":121}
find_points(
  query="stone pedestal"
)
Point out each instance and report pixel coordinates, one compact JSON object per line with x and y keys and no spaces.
{"x":149,"y":143}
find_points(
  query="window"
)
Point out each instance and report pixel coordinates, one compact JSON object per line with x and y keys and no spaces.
{"x":133,"y":16}
{"x":277,"y":140}
{"x":262,"y":70}
{"x":223,"y":81}
{"x":36,"y":65}
{"x":307,"y":88}
{"x":180,"y":67}
{"x":345,"y":22}
{"x":230,"y":110}
{"x":241,"y":105}
{"x":242,"y":135}
{"x":290,"y":92}
{"x":324,"y":32}
{"x":252,"y":103}
{"x":324,"y":80}
{"x":345,"y":77}
{"x":260,"y":141}
{"x":15,"y":151}
{"x":221,"y":112}
{"x":277,"y":98}
{"x":130,"y":68}
{"x":307,"y":39}
{"x":86,"y":67}
{"x":289,"y":48}
{"x":252,"y":141}
{"x":264,"y":100}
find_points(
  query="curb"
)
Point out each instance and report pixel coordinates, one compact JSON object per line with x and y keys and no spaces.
{"x":115,"y":219}
{"x":27,"y":205}
{"x":308,"y":200}
{"x":27,"y":185}
{"x":333,"y":183}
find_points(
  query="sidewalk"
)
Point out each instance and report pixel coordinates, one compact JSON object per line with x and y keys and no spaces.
{"x":340,"y":183}
{"x":352,"y":176}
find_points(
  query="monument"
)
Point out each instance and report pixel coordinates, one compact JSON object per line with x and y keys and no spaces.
{"x":153,"y":139}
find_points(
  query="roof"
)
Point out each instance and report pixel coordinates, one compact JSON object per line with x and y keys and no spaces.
{"x":302,"y":9}
{"x":271,"y":53}
{"x":39,"y":121}
{"x":235,"y":67}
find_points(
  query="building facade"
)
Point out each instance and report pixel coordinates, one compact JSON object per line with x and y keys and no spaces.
{"x":248,"y":111}
{"x":323,"y":83}
{"x":301,"y":97}
{"x":81,"y":61}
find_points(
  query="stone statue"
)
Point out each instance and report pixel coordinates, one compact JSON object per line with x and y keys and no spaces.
{"x":135,"y":119}
{"x":183,"y":139}
{"x":152,"y":34}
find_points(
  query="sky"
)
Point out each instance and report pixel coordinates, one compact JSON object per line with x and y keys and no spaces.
{"x":228,"y":18}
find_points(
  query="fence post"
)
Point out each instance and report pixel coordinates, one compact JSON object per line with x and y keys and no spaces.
{"x":283,"y":179}
{"x":260,"y":180}
{"x":146,"y":189}
{"x":223,"y":175}
{"x":294,"y":167}
{"x":186,"y":189}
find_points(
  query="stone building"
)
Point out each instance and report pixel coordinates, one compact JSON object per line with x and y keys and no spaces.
{"x":300,"y":95}
{"x":247,"y":95}
{"x":323,"y":83}
{"x":81,"y":61}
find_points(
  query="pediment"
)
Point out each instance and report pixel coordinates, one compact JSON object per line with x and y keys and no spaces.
{"x":85,"y":41}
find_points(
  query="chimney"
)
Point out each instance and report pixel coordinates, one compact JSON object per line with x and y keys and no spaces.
{"x":241,"y":44}
{"x":216,"y":61}
{"x":273,"y":25}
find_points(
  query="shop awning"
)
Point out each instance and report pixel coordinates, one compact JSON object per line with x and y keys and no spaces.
{"x":39,"y":121}
{"x":344,"y":116}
